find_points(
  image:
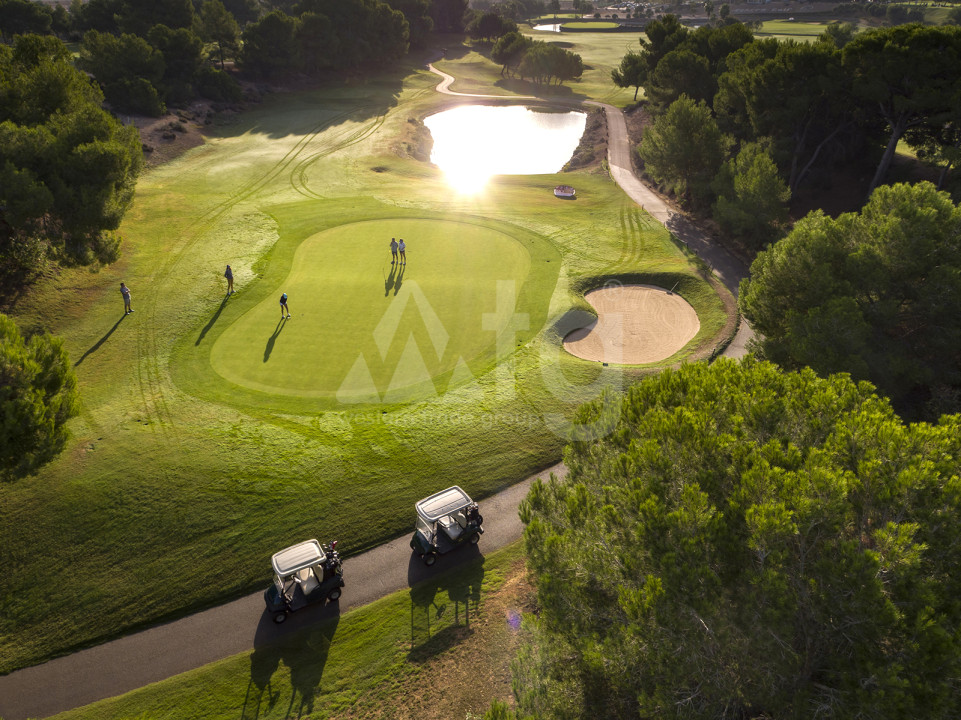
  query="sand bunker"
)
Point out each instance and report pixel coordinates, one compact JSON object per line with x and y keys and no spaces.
{"x":635,"y":324}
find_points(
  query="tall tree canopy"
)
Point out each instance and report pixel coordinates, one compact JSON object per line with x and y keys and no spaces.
{"x":22,"y":17}
{"x":38,"y":394}
{"x":683,"y":150}
{"x":874,"y":293}
{"x":675,"y":61}
{"x":448,"y":15}
{"x":751,"y":197}
{"x":747,"y":543}
{"x":218,"y":26}
{"x":67,"y":168}
{"x":129,"y":69}
{"x":350,"y":34}
{"x":909,"y":75}
{"x":796,"y":94}
{"x":632,"y":72}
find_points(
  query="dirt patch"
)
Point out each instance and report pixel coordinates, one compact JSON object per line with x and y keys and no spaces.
{"x":636,"y":324}
{"x":171,"y":135}
{"x":637,"y":119}
{"x":415,"y":141}
{"x":592,"y":149}
{"x":463,"y":680}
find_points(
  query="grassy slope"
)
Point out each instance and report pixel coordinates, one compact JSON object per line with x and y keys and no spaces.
{"x":380,"y":661}
{"x":600,"y":51}
{"x":166,"y":481}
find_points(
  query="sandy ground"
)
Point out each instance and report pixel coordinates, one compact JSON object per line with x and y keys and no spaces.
{"x":635,"y":324}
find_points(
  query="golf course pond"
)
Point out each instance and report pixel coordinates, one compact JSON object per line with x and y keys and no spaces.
{"x":474,"y":142}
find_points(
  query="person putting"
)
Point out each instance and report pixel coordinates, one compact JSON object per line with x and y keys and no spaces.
{"x":125,"y":291}
{"x":402,"y":246}
{"x":283,"y":306}
{"x":229,"y":274}
{"x":393,"y":251}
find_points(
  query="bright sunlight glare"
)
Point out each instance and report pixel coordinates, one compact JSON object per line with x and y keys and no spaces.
{"x":474,"y":142}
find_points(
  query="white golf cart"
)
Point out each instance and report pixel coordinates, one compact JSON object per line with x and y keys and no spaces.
{"x":445,"y":520}
{"x":304,"y":574}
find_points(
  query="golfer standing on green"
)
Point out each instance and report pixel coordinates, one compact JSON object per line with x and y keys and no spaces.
{"x":393,"y":251}
{"x":403,"y":251}
{"x":283,"y":306}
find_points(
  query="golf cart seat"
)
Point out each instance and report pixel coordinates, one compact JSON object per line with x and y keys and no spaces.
{"x":307,"y":580}
{"x":451,"y":526}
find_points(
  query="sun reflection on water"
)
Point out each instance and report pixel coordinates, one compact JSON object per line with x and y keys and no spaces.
{"x":472,"y":143}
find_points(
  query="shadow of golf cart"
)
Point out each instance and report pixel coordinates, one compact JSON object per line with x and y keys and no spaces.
{"x":304,"y":574}
{"x":445,"y":520}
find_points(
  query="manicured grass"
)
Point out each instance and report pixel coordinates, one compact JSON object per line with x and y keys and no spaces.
{"x":345,"y":292}
{"x":455,"y":632}
{"x":553,"y":19}
{"x":600,"y":51}
{"x":176,"y":475}
{"x":587,"y":25}
{"x":801,"y":31}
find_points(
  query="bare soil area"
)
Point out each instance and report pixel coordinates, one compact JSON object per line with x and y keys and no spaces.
{"x":592,"y":149}
{"x":166,"y":137}
{"x":474,"y":668}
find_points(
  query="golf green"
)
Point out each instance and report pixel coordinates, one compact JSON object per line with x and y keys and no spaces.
{"x":364,"y":329}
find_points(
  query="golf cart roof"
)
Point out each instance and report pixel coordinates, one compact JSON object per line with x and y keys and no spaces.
{"x":297,"y":557}
{"x":442,"y":503}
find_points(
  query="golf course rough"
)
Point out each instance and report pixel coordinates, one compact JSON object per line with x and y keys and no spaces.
{"x":367,"y":329}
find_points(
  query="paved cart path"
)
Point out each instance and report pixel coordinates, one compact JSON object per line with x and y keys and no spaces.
{"x":136,"y":660}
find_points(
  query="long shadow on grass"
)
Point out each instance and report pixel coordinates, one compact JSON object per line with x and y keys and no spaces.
{"x":333,"y":102}
{"x":212,"y":320}
{"x":273,"y":338}
{"x":442,"y":605}
{"x":302,"y":644}
{"x":96,"y":346}
{"x":400,"y":279}
{"x":389,"y":280}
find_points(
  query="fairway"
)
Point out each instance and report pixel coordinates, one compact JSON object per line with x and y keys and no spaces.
{"x":365,"y":329}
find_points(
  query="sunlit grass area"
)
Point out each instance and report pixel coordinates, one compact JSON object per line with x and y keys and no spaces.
{"x":802,"y":31}
{"x":178,"y":470}
{"x":600,"y":51}
{"x":440,"y":649}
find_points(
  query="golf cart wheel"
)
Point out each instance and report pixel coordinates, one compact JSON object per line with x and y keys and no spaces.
{"x":475,"y":538}
{"x":480,"y":519}
{"x":334,"y":594}
{"x":430,"y":559}
{"x":280,"y":617}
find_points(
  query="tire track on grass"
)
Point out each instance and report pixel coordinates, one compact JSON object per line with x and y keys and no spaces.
{"x":151,"y":375}
{"x":268,"y":177}
{"x":298,"y":176}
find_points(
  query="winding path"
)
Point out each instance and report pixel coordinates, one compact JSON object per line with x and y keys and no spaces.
{"x":160,"y":652}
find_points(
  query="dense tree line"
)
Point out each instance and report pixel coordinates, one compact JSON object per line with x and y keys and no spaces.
{"x":875,"y":294}
{"x":147,"y":54}
{"x":325,"y":35}
{"x":807,"y":106}
{"x":511,"y":9}
{"x":26,"y":17}
{"x":67,"y":167}
{"x":746,"y":542}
